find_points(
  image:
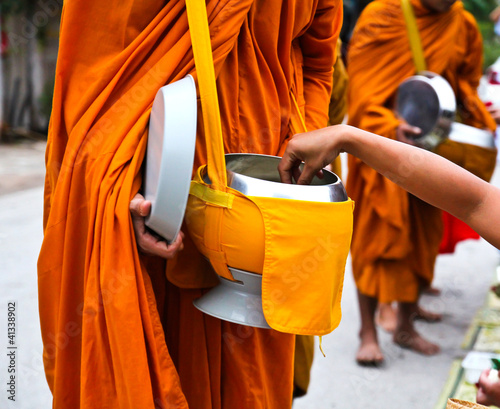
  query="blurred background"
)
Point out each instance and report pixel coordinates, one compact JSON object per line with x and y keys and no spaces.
{"x":30,"y":31}
{"x":29,"y":44}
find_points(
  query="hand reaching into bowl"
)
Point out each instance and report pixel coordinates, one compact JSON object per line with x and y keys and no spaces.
{"x":422,"y":173}
{"x":316,"y":148}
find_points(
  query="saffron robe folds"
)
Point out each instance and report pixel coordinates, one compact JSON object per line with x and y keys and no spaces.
{"x":116,"y":333}
{"x":396,"y":236}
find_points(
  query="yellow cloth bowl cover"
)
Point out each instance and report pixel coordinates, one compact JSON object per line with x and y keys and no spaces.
{"x":299,"y":247}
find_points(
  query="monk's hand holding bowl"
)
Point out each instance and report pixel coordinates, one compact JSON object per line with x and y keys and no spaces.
{"x":148,"y":242}
{"x":407,"y":133}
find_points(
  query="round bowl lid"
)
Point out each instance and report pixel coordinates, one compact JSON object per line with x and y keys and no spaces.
{"x":418,"y":103}
{"x":170,"y":156}
{"x":427,"y":100}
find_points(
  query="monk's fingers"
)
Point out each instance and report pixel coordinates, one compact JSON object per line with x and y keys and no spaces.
{"x":138,"y":221}
{"x":139,"y":206}
{"x":402,"y":136}
{"x":156,"y":246}
{"x":415,"y":130}
{"x":409,"y":130}
{"x":178,"y":243}
{"x":147,"y":242}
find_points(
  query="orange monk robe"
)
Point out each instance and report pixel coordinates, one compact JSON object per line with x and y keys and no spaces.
{"x":115,"y":333}
{"x":396,"y":236}
{"x":338,"y":101}
{"x":304,"y":344}
{"x":253,"y":121}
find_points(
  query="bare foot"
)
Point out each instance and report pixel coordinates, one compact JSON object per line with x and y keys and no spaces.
{"x":369,"y":352}
{"x":428,"y":316}
{"x":431,"y":291}
{"x":412,"y":340}
{"x":386,"y":317}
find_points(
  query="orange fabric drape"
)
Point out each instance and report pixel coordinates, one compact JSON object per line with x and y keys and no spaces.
{"x":396,"y":237}
{"x":115,"y":332}
{"x":304,"y":345}
{"x":338,"y":101}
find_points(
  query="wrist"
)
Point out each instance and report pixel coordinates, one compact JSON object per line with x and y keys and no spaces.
{"x":348,"y":138}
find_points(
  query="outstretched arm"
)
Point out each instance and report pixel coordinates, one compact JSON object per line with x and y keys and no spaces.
{"x":422,"y":173}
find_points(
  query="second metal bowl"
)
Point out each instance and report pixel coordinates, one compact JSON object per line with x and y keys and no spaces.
{"x":428,"y":102}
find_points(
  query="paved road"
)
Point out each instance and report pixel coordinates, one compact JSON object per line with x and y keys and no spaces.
{"x":20,"y":238}
{"x":408,"y":381}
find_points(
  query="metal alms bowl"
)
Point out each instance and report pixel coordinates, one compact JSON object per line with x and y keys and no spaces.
{"x":257,"y":175}
{"x":428,"y":102}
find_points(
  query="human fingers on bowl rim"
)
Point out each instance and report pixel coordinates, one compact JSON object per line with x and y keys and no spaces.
{"x":290,"y":170}
{"x":307,"y":148}
{"x":148,"y":242}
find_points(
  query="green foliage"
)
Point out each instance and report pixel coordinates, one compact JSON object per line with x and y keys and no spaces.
{"x":495,"y":363}
{"x":9,"y":7}
{"x":491,"y":43}
{"x":480,"y":8}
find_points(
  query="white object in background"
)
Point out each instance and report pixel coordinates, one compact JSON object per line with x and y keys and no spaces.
{"x":489,"y":91}
{"x":489,"y":85}
{"x":474,"y":136}
{"x":476,"y":362}
{"x":170,"y":156}
{"x":493,"y":375}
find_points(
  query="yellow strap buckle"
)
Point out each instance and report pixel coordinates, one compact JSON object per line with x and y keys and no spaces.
{"x":211,"y":196}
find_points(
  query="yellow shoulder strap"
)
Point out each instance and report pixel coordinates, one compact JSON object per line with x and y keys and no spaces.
{"x":202,"y":50}
{"x":414,"y":36}
{"x":297,"y":120}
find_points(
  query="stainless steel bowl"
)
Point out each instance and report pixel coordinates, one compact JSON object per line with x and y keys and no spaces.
{"x":257,"y":175}
{"x":427,"y":101}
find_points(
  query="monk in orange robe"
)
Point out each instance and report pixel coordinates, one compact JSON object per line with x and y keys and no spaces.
{"x":118,"y":325}
{"x":304,"y":344}
{"x":396,"y":236}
